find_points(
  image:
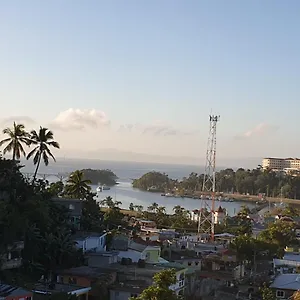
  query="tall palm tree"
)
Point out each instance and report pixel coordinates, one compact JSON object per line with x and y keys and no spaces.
{"x":77,"y":186}
{"x":42,"y":139}
{"x":17,"y":137}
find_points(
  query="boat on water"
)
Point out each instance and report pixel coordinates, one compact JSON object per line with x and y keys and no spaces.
{"x":102,"y":187}
{"x":105,"y":188}
{"x":169,"y":195}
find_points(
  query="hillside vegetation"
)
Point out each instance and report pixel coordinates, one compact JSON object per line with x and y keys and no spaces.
{"x":103,"y":177}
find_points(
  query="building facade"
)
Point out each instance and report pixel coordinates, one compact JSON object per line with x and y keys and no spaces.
{"x":281,"y":163}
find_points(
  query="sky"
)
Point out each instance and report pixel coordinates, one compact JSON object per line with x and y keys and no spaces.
{"x":141,"y":77}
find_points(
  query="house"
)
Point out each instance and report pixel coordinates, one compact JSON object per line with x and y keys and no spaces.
{"x":102,"y":259}
{"x":146,"y":225}
{"x":75,"y":209}
{"x":13,"y":257}
{"x":97,"y":279}
{"x":8,"y":292}
{"x":43,"y":291}
{"x":285,"y":285}
{"x":146,"y":272}
{"x":219,"y":215}
{"x":137,"y":251}
{"x":167,"y":234}
{"x":127,"y":289}
{"x":149,"y":236}
{"x":90,"y":241}
{"x":119,"y":242}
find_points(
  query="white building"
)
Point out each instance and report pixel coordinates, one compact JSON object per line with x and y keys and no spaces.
{"x":281,"y":164}
{"x":91,"y":242}
{"x":219,"y":215}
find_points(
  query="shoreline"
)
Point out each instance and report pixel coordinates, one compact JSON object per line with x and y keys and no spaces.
{"x":235,"y":197}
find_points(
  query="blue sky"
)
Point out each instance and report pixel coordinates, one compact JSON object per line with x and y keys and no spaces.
{"x":155,"y":64}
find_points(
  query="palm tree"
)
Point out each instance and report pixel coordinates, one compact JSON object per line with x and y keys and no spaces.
{"x":153,"y":207}
{"x":17,"y":137}
{"x":178,"y":209}
{"x":77,"y":186}
{"x":43,"y":139}
{"x":161,"y":210}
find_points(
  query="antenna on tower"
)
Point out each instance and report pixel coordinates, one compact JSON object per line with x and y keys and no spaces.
{"x":206,"y":222}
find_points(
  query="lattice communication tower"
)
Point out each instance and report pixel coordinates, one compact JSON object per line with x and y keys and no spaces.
{"x":206,"y":222}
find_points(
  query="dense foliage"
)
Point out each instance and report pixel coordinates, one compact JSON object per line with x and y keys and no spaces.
{"x":28,"y":214}
{"x":158,"y":181}
{"x":102,"y":177}
{"x":180,"y":219}
{"x":160,"y":288}
{"x":254,"y":182}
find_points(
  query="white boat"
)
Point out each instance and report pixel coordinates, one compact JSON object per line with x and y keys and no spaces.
{"x":169,"y":195}
{"x":99,"y":189}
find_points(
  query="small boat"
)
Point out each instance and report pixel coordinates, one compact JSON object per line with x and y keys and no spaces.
{"x":99,"y":189}
{"x":105,"y":188}
{"x":169,"y":195}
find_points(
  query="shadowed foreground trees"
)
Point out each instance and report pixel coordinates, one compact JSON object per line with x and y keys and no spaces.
{"x":28,"y":214}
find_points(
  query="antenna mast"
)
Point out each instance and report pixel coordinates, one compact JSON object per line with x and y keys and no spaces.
{"x":206,"y":223}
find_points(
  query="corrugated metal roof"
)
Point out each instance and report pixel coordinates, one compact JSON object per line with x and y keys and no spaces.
{"x":287,"y":282}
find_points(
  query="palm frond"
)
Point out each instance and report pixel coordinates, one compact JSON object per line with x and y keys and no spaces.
{"x":32,"y":152}
{"x":20,"y":150}
{"x":5,"y":141}
{"x":50,"y":154}
{"x":9,"y":147}
{"x":45,"y":158}
{"x":36,"y":157}
{"x":8,"y":131}
{"x":54,"y":144}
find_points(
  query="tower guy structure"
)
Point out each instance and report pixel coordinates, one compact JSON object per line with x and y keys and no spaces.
{"x":206,"y":223}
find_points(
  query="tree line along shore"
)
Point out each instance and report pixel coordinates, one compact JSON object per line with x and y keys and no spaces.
{"x":242,"y":184}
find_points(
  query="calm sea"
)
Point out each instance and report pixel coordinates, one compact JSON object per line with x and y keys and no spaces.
{"x":126,"y":171}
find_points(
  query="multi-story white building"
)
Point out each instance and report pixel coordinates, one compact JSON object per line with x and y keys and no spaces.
{"x":281,"y":163}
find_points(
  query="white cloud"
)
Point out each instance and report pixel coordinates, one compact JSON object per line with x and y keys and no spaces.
{"x":77,"y":119}
{"x":158,"y":128}
{"x":259,"y":130}
{"x":18,"y":119}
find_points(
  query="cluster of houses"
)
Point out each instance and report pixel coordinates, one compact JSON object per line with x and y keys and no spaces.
{"x":126,"y":266}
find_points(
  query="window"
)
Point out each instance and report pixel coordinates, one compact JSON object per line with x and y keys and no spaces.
{"x":280,"y":294}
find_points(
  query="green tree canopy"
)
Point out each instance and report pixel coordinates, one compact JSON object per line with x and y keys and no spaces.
{"x":77,"y":187}
{"x":160,"y":289}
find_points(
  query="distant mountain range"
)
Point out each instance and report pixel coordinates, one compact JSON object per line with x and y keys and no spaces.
{"x":117,"y":155}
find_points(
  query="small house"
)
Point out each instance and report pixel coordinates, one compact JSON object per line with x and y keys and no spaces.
{"x":285,"y":285}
